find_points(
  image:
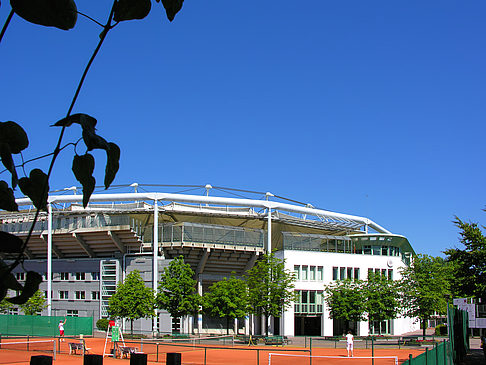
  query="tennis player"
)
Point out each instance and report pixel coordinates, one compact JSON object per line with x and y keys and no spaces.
{"x":61,"y":328}
{"x":349,"y":343}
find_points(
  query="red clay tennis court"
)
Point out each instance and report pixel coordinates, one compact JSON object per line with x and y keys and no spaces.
{"x":198,"y":354}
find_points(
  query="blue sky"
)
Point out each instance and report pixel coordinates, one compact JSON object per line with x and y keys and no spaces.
{"x":373,"y":108}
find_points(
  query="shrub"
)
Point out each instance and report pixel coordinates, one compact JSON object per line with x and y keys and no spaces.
{"x":102,"y":324}
{"x":441,"y":330}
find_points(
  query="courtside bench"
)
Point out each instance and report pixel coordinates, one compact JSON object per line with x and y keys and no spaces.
{"x":77,"y":346}
{"x":274,"y":340}
{"x":127,"y":350}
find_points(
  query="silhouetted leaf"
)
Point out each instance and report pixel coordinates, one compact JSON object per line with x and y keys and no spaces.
{"x":14,"y":135}
{"x":10,"y":243}
{"x":131,"y":9}
{"x":36,"y":187}
{"x":8,"y":279}
{"x":86,"y":121}
{"x":8,"y":162}
{"x":61,"y":14}
{"x":112,"y":163}
{"x":93,"y":141}
{"x":172,"y":7}
{"x":7,"y":198}
{"x":32,"y":282}
{"x":83,"y":167}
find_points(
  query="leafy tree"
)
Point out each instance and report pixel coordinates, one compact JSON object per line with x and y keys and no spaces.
{"x":61,"y":14}
{"x":270,"y":287}
{"x":425,"y":287}
{"x":177,"y":290}
{"x":346,"y":300}
{"x":469,"y":263}
{"x":132,"y":299}
{"x":227,"y":298}
{"x":35,"y":304}
{"x":382,"y":298}
{"x":5,"y":306}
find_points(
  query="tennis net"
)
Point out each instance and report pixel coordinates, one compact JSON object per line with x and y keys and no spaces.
{"x":12,"y":349}
{"x":294,"y":359}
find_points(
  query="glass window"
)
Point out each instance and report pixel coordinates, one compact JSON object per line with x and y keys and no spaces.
{"x":20,"y":276}
{"x":312,"y":272}
{"x":63,"y":276}
{"x":376,"y":250}
{"x":304,"y":272}
{"x":320,"y":273}
{"x":349,"y":273}
{"x":63,"y":294}
{"x":335,"y":273}
{"x":297,"y":272}
{"x":342,"y":273}
{"x":72,"y":313}
{"x":95,"y":295}
{"x":95,"y":276}
{"x":81,"y":294}
{"x":356,"y":273}
{"x":384,"y":250}
{"x":80,"y":276}
{"x":367,"y":250}
{"x":390,"y":274}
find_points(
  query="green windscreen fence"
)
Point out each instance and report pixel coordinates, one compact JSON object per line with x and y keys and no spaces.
{"x":14,"y":325}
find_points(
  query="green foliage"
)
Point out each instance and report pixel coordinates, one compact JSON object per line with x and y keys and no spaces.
{"x":132,"y":299}
{"x":35,"y":304}
{"x":382,"y":298}
{"x":441,"y":330}
{"x":270,"y":287}
{"x":102,"y":324}
{"x":469,"y":264}
{"x":346,"y":300}
{"x":227,"y":298}
{"x":177,"y":289}
{"x":425,"y":287}
{"x":61,"y":14}
{"x":5,"y":306}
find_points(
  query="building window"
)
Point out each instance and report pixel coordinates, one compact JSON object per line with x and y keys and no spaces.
{"x":390,"y":274}
{"x":63,"y":294}
{"x":72,"y":313}
{"x":63,"y":276}
{"x":312,"y":273}
{"x":342,"y":273}
{"x":335,"y":273}
{"x":356,"y":273}
{"x":20,"y":276}
{"x":95,"y":276}
{"x":80,"y":276}
{"x":384,"y":250}
{"x":95,"y":295}
{"x":320,"y":273}
{"x":304,"y":272}
{"x":13,"y":311}
{"x":81,"y":294}
{"x":309,"y":302}
{"x":367,"y":250}
{"x":297,"y":272}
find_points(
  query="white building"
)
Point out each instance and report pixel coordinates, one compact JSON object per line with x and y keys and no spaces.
{"x":85,"y":252}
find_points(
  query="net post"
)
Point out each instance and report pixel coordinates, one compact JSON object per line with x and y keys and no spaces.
{"x":409,"y":359}
{"x":258,"y":357}
{"x":445,"y":353}
{"x":426,"y":356}
{"x":372,"y":350}
{"x":436,"y":354}
{"x":205,"y":355}
{"x":54,"y":349}
{"x":157,"y":357}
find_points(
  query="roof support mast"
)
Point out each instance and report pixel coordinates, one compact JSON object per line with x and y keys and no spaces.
{"x":49,"y":259}
{"x":155,"y":247}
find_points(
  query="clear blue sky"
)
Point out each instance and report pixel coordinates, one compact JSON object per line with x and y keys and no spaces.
{"x":373,"y":108}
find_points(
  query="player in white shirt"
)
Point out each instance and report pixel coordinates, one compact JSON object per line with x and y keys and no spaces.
{"x":349,"y":343}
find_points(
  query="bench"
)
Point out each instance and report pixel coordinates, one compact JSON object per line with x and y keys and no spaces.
{"x":75,"y":346}
{"x":127,"y":350}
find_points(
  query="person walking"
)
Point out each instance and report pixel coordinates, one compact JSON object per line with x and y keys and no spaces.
{"x":350,"y":343}
{"x":61,"y":328}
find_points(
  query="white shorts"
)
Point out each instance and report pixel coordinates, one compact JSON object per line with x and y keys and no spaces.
{"x":349,"y":346}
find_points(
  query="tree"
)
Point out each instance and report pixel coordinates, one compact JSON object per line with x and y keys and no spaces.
{"x":177,"y":290}
{"x":382,"y":298}
{"x":425,"y":288}
{"x":346,"y":300}
{"x":5,"y":306}
{"x":270,"y":287}
{"x":35,"y":304}
{"x":132,"y":299}
{"x":468,"y":264}
{"x":13,"y":138}
{"x":227,"y":298}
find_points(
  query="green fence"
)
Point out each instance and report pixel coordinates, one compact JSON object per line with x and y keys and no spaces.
{"x":14,"y":325}
{"x":440,"y":354}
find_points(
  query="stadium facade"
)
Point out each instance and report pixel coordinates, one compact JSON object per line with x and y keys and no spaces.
{"x":84,"y":252}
